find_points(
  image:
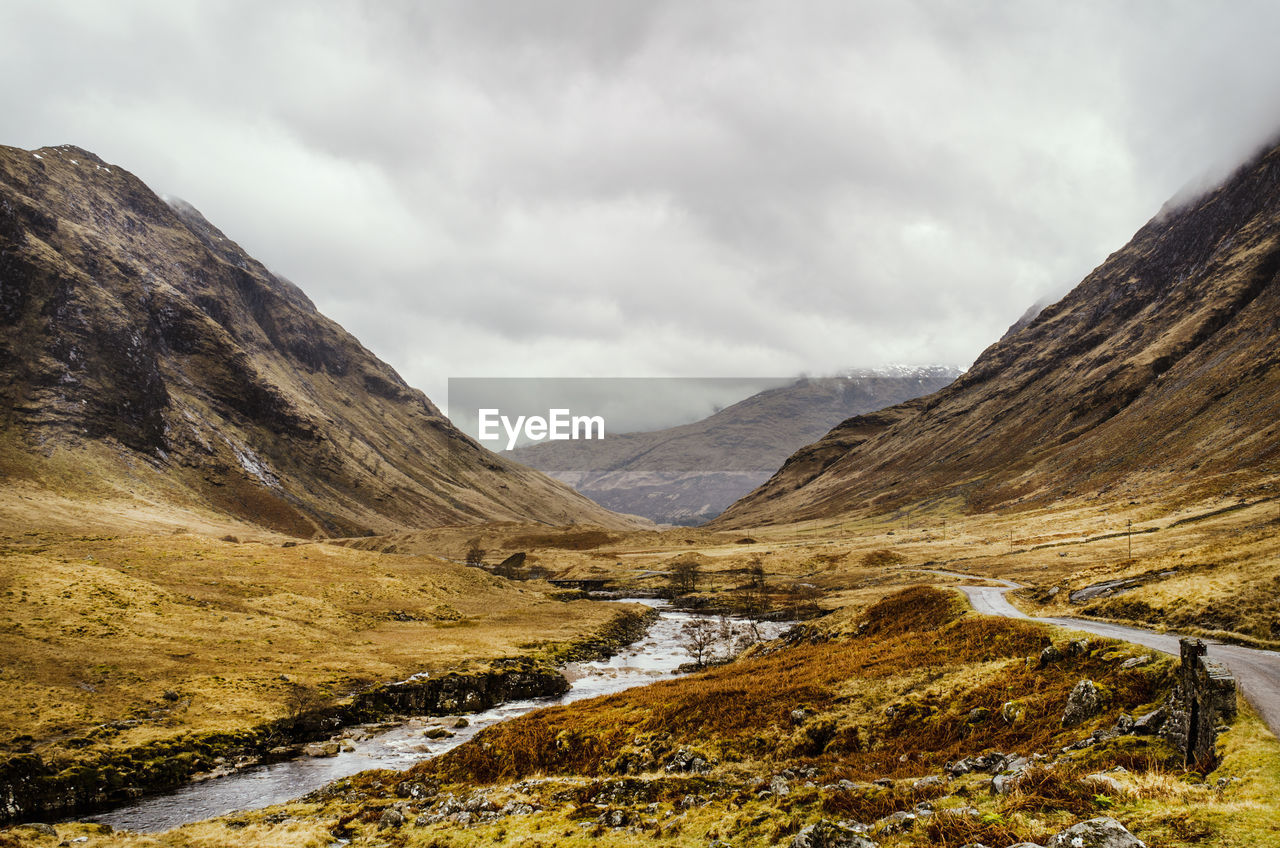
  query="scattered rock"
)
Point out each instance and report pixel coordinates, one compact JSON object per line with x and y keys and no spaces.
{"x":1013,"y":712}
{"x":460,"y":722}
{"x":1050,"y":655}
{"x":1104,"y":782}
{"x":42,"y":828}
{"x":1102,"y":832}
{"x":685,"y":760}
{"x":978,"y":715}
{"x":931,"y":782}
{"x":1134,"y":662}
{"x":1084,"y":702}
{"x":322,"y":749}
{"x":1098,"y":590}
{"x":1150,"y":724}
{"x":826,"y":834}
{"x":437,"y":733}
{"x":899,"y":822}
{"x":992,"y":761}
{"x":1010,"y":775}
{"x":779,"y":786}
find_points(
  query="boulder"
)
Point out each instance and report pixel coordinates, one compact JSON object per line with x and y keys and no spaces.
{"x":826,"y":834}
{"x":899,"y":822}
{"x":1103,"y":782}
{"x":322,"y":749}
{"x":1050,"y":655}
{"x":390,"y":819}
{"x":1084,"y":702}
{"x":1102,"y":832}
{"x":1010,"y":775}
{"x":1150,"y":724}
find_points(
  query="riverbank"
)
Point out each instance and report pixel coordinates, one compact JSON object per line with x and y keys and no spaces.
{"x":33,"y":788}
{"x":388,"y":747}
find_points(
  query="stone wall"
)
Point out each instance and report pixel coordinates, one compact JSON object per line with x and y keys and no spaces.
{"x":1204,"y":700}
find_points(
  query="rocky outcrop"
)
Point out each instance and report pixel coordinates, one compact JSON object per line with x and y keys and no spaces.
{"x":1084,"y":702}
{"x":1102,"y":832}
{"x":826,"y":834}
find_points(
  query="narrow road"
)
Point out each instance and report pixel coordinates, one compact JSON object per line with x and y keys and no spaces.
{"x":1257,"y":672}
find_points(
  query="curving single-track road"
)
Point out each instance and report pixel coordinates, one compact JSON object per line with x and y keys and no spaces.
{"x":1257,"y":672}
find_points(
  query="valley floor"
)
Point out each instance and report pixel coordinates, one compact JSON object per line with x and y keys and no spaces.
{"x":853,"y":723}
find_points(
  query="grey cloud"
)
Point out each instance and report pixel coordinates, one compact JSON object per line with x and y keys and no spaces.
{"x":658,"y":188}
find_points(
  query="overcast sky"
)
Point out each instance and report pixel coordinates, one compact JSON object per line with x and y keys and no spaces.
{"x":657,"y":188}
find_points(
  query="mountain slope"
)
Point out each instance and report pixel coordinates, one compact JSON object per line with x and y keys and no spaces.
{"x":1156,"y":377}
{"x":690,"y":473}
{"x":145,"y":356}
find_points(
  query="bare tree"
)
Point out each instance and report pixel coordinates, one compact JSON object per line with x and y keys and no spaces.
{"x":698,"y":637}
{"x":300,"y":701}
{"x":475,"y":554}
{"x":803,"y":598}
{"x":683,"y":577}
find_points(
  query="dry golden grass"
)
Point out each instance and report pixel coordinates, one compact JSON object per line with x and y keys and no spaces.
{"x":183,"y":632}
{"x":919,"y":653}
{"x":1207,"y":567}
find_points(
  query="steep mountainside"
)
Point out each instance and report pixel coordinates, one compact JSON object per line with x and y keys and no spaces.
{"x":1156,"y":378}
{"x":689,"y":474}
{"x":145,"y":356}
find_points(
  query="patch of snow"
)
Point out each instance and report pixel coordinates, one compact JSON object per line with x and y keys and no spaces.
{"x":252,"y":464}
{"x":895,"y":370}
{"x":73,"y":162}
{"x":37,"y":155}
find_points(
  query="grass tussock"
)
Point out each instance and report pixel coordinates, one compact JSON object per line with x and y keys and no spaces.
{"x":951,"y":830}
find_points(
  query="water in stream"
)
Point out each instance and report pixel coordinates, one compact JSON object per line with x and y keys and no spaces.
{"x":652,"y":658}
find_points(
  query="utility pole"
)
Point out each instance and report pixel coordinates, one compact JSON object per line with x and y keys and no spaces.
{"x":1130,"y":538}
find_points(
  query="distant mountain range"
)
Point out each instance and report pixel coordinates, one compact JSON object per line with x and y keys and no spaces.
{"x":145,"y":358}
{"x":1156,"y":378}
{"x":690,"y":473}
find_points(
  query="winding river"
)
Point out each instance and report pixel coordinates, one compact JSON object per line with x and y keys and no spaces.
{"x":654,"y":657}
